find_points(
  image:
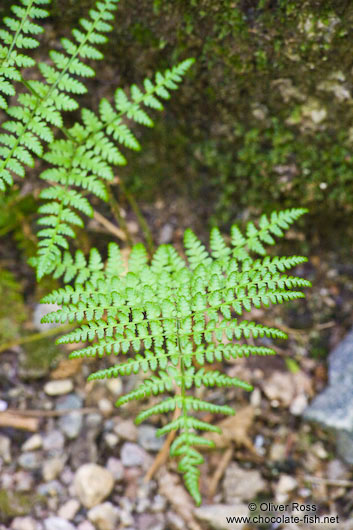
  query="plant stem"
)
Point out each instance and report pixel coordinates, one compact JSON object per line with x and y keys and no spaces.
{"x":34,"y":337}
{"x":116,"y":211}
{"x":141,"y":220}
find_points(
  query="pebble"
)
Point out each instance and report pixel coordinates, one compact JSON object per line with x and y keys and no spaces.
{"x":105,"y":406}
{"x":234,"y":480}
{"x":40,"y":311}
{"x":298,"y":405}
{"x":166,"y":234}
{"x":68,"y":402}
{"x":67,"y":476}
{"x":85,"y":525}
{"x":215,"y":515}
{"x":277,"y":452}
{"x":58,"y":387}
{"x":147,"y":438}
{"x":111,"y":439}
{"x":93,"y":484}
{"x":54,"y":440}
{"x":104,"y":516}
{"x":24,"y":523}
{"x":115,"y":386}
{"x":52,"y":468}
{"x":71,"y":424}
{"x":285,"y":485}
{"x":174,"y":521}
{"x":33,"y":443}
{"x":93,"y":420}
{"x":280,"y":388}
{"x":115,"y":467}
{"x":30,"y":460}
{"x":132,"y":455}
{"x":149,"y":521}
{"x":57,"y":523}
{"x":159,"y":504}
{"x":23,"y":480}
{"x":69,"y":509}
{"x":51,"y":489}
{"x":5,"y":451}
{"x":126,"y":430}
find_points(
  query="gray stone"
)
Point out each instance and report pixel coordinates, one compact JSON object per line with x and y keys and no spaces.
{"x":30,"y":461}
{"x":148,"y":439}
{"x":71,"y":424}
{"x":93,"y":484}
{"x":115,"y":467}
{"x":132,"y":455}
{"x":215,"y":515}
{"x":68,"y":402}
{"x":51,"y":489}
{"x":333,"y":408}
{"x":54,"y":440}
{"x":126,"y":430}
{"x":104,"y":516}
{"x":40,"y":311}
{"x":57,"y":523}
{"x":241,"y":484}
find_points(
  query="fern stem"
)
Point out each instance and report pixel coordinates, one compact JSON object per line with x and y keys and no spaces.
{"x":34,"y":337}
{"x":140,"y":217}
{"x":19,"y":29}
{"x":116,"y":211}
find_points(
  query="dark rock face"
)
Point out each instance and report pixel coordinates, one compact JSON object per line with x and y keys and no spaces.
{"x":333,"y":408}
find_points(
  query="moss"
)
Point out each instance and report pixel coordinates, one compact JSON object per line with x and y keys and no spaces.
{"x":13,"y":504}
{"x":264,"y":117}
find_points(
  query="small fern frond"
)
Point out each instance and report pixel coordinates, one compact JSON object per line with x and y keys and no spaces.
{"x":170,"y":314}
{"x":84,"y":161}
{"x":41,"y":109}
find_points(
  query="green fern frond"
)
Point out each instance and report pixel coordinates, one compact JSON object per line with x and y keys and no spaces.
{"x":172,"y":314}
{"x":84,"y":160}
{"x":41,"y":109}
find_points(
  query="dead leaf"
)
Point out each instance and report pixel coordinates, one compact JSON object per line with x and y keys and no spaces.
{"x":176,"y":494}
{"x":66,"y":368}
{"x":235,"y":429}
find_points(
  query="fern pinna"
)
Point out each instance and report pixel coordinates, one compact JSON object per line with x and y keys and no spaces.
{"x":175,"y":316}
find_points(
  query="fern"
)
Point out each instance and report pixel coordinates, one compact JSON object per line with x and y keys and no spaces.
{"x":175,"y":316}
{"x":84,"y":161}
{"x":41,"y":108}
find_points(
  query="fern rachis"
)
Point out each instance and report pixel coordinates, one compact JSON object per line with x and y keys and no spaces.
{"x":172,"y":313}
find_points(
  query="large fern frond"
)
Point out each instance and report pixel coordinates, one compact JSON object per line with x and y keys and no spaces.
{"x":173,"y":314}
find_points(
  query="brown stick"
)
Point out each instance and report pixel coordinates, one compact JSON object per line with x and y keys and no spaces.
{"x":162,"y":456}
{"x":50,"y":413}
{"x":329,"y":482}
{"x":218,"y":474}
{"x":109,"y":226}
{"x":7,"y":419}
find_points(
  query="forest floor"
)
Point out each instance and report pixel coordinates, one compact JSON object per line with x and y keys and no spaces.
{"x":53,"y":423}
